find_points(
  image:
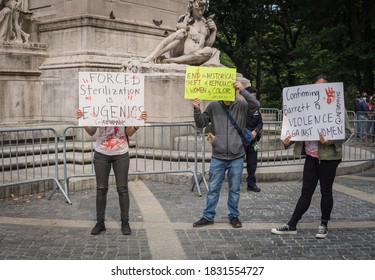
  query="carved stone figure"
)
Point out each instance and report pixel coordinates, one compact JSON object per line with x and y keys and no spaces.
{"x":10,"y":28}
{"x":192,"y":42}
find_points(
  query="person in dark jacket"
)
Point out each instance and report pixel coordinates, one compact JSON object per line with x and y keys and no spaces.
{"x":254,"y":122}
{"x":363,"y":116}
{"x":227,"y":151}
{"x":357,"y":99}
{"x":357,"y":108}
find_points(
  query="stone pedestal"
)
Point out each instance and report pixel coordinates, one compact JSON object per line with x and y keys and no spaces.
{"x":164,"y":98}
{"x":164,"y":91}
{"x":39,"y":81}
{"x":164,"y":94}
{"x":20,"y":87}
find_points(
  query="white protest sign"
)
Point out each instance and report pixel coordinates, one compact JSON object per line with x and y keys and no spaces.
{"x":111,"y":98}
{"x":309,"y":110}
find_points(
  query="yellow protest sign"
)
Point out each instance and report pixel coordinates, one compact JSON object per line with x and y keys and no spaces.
{"x":210,"y":83}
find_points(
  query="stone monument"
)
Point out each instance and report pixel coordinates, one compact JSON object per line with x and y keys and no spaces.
{"x":192,"y":42}
{"x":20,"y":59}
{"x":53,"y":40}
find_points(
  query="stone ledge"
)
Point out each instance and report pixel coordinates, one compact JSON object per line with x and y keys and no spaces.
{"x":20,"y":73}
{"x":24,"y":47}
{"x":102,"y":22}
{"x":23,"y":59}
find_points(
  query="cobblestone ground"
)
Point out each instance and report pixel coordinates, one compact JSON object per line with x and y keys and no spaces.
{"x":34,"y":228}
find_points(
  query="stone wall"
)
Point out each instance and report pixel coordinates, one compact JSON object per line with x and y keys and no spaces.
{"x":39,"y":81}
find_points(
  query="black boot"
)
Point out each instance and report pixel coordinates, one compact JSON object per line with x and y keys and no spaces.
{"x":254,"y":188}
{"x":125,"y":228}
{"x":124,"y":209}
{"x":98,"y":228}
{"x":101,"y":203}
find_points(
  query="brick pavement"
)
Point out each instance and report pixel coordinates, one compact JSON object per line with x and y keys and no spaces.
{"x":34,"y":228}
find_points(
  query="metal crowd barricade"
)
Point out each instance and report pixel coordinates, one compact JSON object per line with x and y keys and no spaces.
{"x":364,"y":124}
{"x":29,"y":156}
{"x":270,"y":114}
{"x":353,"y":149}
{"x":203,"y":158}
{"x":362,"y":142}
{"x":272,"y":153}
{"x":351,"y":115}
{"x":154,"y":149}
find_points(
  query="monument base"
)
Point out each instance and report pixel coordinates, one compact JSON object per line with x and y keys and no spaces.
{"x":20,"y":88}
{"x":164,"y":91}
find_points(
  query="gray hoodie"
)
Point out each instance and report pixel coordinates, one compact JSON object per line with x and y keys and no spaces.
{"x":227,"y":144}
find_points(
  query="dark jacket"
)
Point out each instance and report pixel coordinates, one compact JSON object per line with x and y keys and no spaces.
{"x":357,"y":106}
{"x":255,"y":122}
{"x":227,"y":144}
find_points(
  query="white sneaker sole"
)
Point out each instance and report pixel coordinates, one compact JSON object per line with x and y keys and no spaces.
{"x":321,"y":236}
{"x":275,"y":231}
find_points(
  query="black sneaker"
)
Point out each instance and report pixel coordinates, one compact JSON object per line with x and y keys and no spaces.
{"x":253,"y":189}
{"x":203,"y":222}
{"x":125,"y":228}
{"x":98,"y":228}
{"x":322,"y":232}
{"x":285,"y":229}
{"x":235,"y":222}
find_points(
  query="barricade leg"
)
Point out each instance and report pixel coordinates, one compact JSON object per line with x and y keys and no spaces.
{"x":58,"y":186}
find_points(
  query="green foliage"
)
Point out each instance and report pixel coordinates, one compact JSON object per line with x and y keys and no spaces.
{"x":283,"y":43}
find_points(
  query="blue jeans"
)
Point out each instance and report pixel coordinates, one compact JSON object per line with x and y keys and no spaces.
{"x":362,"y":125}
{"x":217,"y":173}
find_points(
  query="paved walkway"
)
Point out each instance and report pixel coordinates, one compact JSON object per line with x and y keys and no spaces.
{"x":161,"y":218}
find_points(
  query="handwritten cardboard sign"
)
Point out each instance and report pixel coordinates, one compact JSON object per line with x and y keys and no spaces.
{"x":312,"y":109}
{"x":111,"y":98}
{"x":210,"y":83}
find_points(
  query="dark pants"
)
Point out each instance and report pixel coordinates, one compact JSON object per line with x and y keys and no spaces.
{"x":314,"y":170}
{"x":251,"y":166}
{"x":102,"y":165}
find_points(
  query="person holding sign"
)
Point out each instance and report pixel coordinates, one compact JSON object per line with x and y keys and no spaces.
{"x":322,"y":159}
{"x":227,"y":150}
{"x":111,"y":150}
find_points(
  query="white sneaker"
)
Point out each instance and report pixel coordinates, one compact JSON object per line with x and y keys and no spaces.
{"x":322,"y":232}
{"x":285,"y":229}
